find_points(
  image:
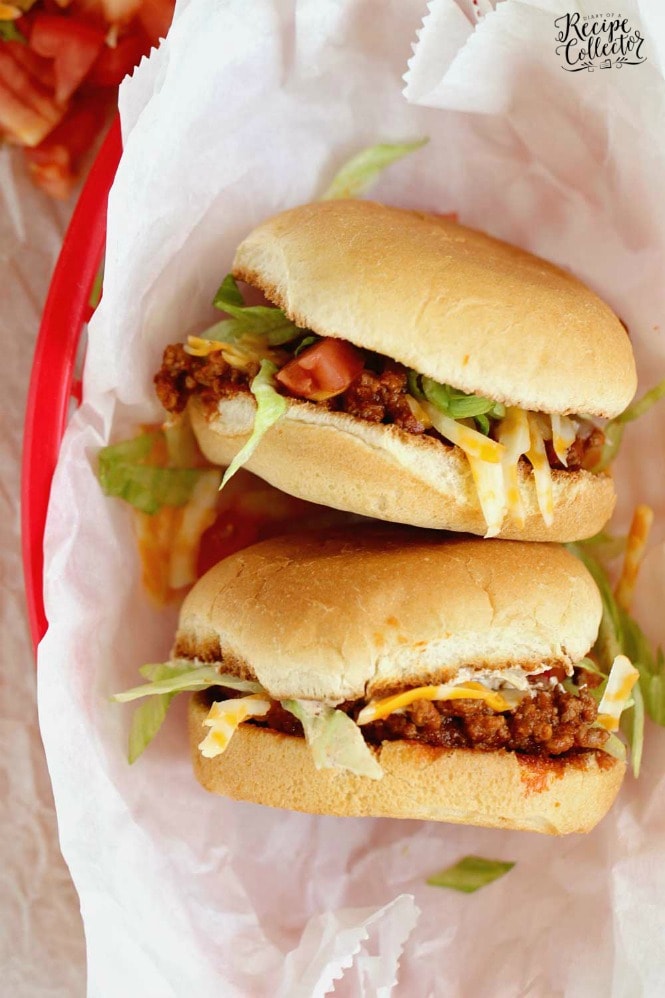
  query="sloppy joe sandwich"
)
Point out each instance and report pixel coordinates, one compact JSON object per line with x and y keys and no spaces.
{"x":411,"y":369}
{"x":393,"y":672}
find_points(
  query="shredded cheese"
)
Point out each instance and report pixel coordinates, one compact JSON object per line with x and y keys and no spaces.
{"x":378,"y":709}
{"x":564,"y":431}
{"x":623,"y":676}
{"x":251,"y":352}
{"x":542,"y":473}
{"x":418,"y":411}
{"x":489,"y":482}
{"x":513,"y":433}
{"x":473,"y":443}
{"x":225,"y":717}
{"x":635,"y":548}
{"x":198,"y":347}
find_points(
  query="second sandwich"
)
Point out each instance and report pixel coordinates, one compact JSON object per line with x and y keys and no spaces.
{"x":385,"y":671}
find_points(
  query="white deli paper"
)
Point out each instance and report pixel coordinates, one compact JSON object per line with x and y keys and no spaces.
{"x":248,"y":108}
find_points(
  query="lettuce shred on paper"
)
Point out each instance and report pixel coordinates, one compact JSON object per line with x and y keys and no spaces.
{"x":470,"y":874}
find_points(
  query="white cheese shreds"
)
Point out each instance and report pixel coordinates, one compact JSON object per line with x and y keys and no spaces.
{"x":623,"y":676}
{"x":473,"y":443}
{"x":494,"y":463}
{"x":513,"y":433}
{"x":489,"y":482}
{"x":564,"y":431}
{"x":224,"y":719}
{"x":542,"y":473}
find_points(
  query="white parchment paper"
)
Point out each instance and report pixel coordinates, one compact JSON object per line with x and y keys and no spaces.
{"x":249,"y":107}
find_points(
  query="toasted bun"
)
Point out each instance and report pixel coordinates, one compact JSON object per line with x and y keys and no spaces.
{"x":452,"y":303}
{"x":341,"y":614}
{"x":381,"y":471}
{"x":494,"y":789}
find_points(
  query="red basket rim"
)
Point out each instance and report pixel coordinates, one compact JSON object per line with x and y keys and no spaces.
{"x":66,"y":311}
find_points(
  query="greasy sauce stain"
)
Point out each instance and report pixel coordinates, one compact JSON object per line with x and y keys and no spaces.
{"x":392,"y":621}
{"x":379,"y":639}
{"x":536,"y":772}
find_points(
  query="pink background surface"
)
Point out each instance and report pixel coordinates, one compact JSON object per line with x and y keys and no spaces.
{"x":41,"y":935}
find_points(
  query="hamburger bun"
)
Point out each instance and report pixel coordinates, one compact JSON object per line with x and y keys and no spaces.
{"x":358,"y":612}
{"x":461,"y":786}
{"x":381,"y":471}
{"x":451,"y":303}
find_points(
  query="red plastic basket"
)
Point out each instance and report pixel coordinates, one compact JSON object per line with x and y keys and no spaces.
{"x":52,"y":384}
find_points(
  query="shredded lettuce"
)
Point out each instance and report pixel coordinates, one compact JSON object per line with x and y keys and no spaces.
{"x":148,"y":718}
{"x":360,"y":172}
{"x":183,"y":675}
{"x":632,"y":722}
{"x":264,"y":322}
{"x":470,"y":874}
{"x":124,"y":471}
{"x":454,"y":403}
{"x":270,"y":407}
{"x":334,"y":738}
{"x":620,"y":634}
{"x":307,"y":341}
{"x":615,"y":428}
{"x":166,"y":680}
{"x":616,"y":748}
{"x":605,"y":547}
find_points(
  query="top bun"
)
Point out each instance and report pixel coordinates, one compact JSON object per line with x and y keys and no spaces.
{"x":349,"y":613}
{"x":452,"y":303}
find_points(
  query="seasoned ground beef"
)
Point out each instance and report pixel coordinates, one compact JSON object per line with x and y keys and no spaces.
{"x":381,"y":398}
{"x":211,"y":378}
{"x":378,"y":395}
{"x":551,"y":723}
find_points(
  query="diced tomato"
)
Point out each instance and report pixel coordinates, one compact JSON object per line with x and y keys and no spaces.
{"x":54,"y":162}
{"x":156,"y":17}
{"x":113,"y":64}
{"x":72,"y":43}
{"x":322,"y":371}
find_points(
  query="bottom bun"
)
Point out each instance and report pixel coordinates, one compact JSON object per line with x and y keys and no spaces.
{"x":380,"y":471}
{"x":494,"y":789}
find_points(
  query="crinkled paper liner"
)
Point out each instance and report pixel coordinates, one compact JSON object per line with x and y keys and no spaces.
{"x":250,"y":107}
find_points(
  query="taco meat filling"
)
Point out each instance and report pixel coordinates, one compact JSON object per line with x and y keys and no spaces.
{"x":549,"y":722}
{"x":378,"y":394}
